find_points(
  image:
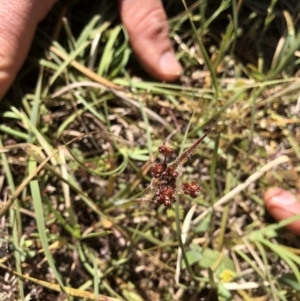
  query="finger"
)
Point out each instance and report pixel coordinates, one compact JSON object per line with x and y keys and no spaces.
{"x":148,"y":30}
{"x":282,"y":204}
{"x":18,"y":21}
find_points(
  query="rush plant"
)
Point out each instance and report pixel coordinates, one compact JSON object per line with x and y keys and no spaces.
{"x":165,"y":175}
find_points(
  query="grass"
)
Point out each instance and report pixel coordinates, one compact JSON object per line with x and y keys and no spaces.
{"x":79,"y":133}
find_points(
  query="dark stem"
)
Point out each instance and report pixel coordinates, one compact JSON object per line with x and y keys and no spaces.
{"x":188,"y":152}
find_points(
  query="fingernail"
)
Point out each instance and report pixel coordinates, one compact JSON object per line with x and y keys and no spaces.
{"x":284,"y":198}
{"x":169,"y":64}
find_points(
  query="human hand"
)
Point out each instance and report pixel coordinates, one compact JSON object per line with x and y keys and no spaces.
{"x":145,"y":22}
{"x":281,"y":204}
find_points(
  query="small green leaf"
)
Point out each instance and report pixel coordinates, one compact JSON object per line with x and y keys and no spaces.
{"x":224,"y":293}
{"x":139,"y":157}
{"x":138,"y":154}
{"x":290,"y":280}
{"x":193,"y":256}
{"x":204,"y":224}
{"x":211,"y":257}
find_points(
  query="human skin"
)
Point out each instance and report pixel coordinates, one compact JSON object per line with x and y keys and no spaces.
{"x":147,"y":26}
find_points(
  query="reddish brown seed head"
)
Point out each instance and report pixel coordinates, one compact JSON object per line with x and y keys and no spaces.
{"x":168,"y":203}
{"x":168,"y":191}
{"x":157,"y":170}
{"x":166,"y":176}
{"x":171,"y":172}
{"x":192,"y":189}
{"x":166,"y":149}
{"x":165,"y":195}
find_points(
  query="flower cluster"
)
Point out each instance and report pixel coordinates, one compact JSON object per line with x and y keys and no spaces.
{"x":165,"y":180}
{"x":192,"y":189}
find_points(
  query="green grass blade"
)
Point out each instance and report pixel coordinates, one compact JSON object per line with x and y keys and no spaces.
{"x":40,"y":220}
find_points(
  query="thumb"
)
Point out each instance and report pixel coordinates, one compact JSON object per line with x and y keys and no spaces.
{"x":148,"y":30}
{"x":282,"y":204}
{"x":18,"y":21}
